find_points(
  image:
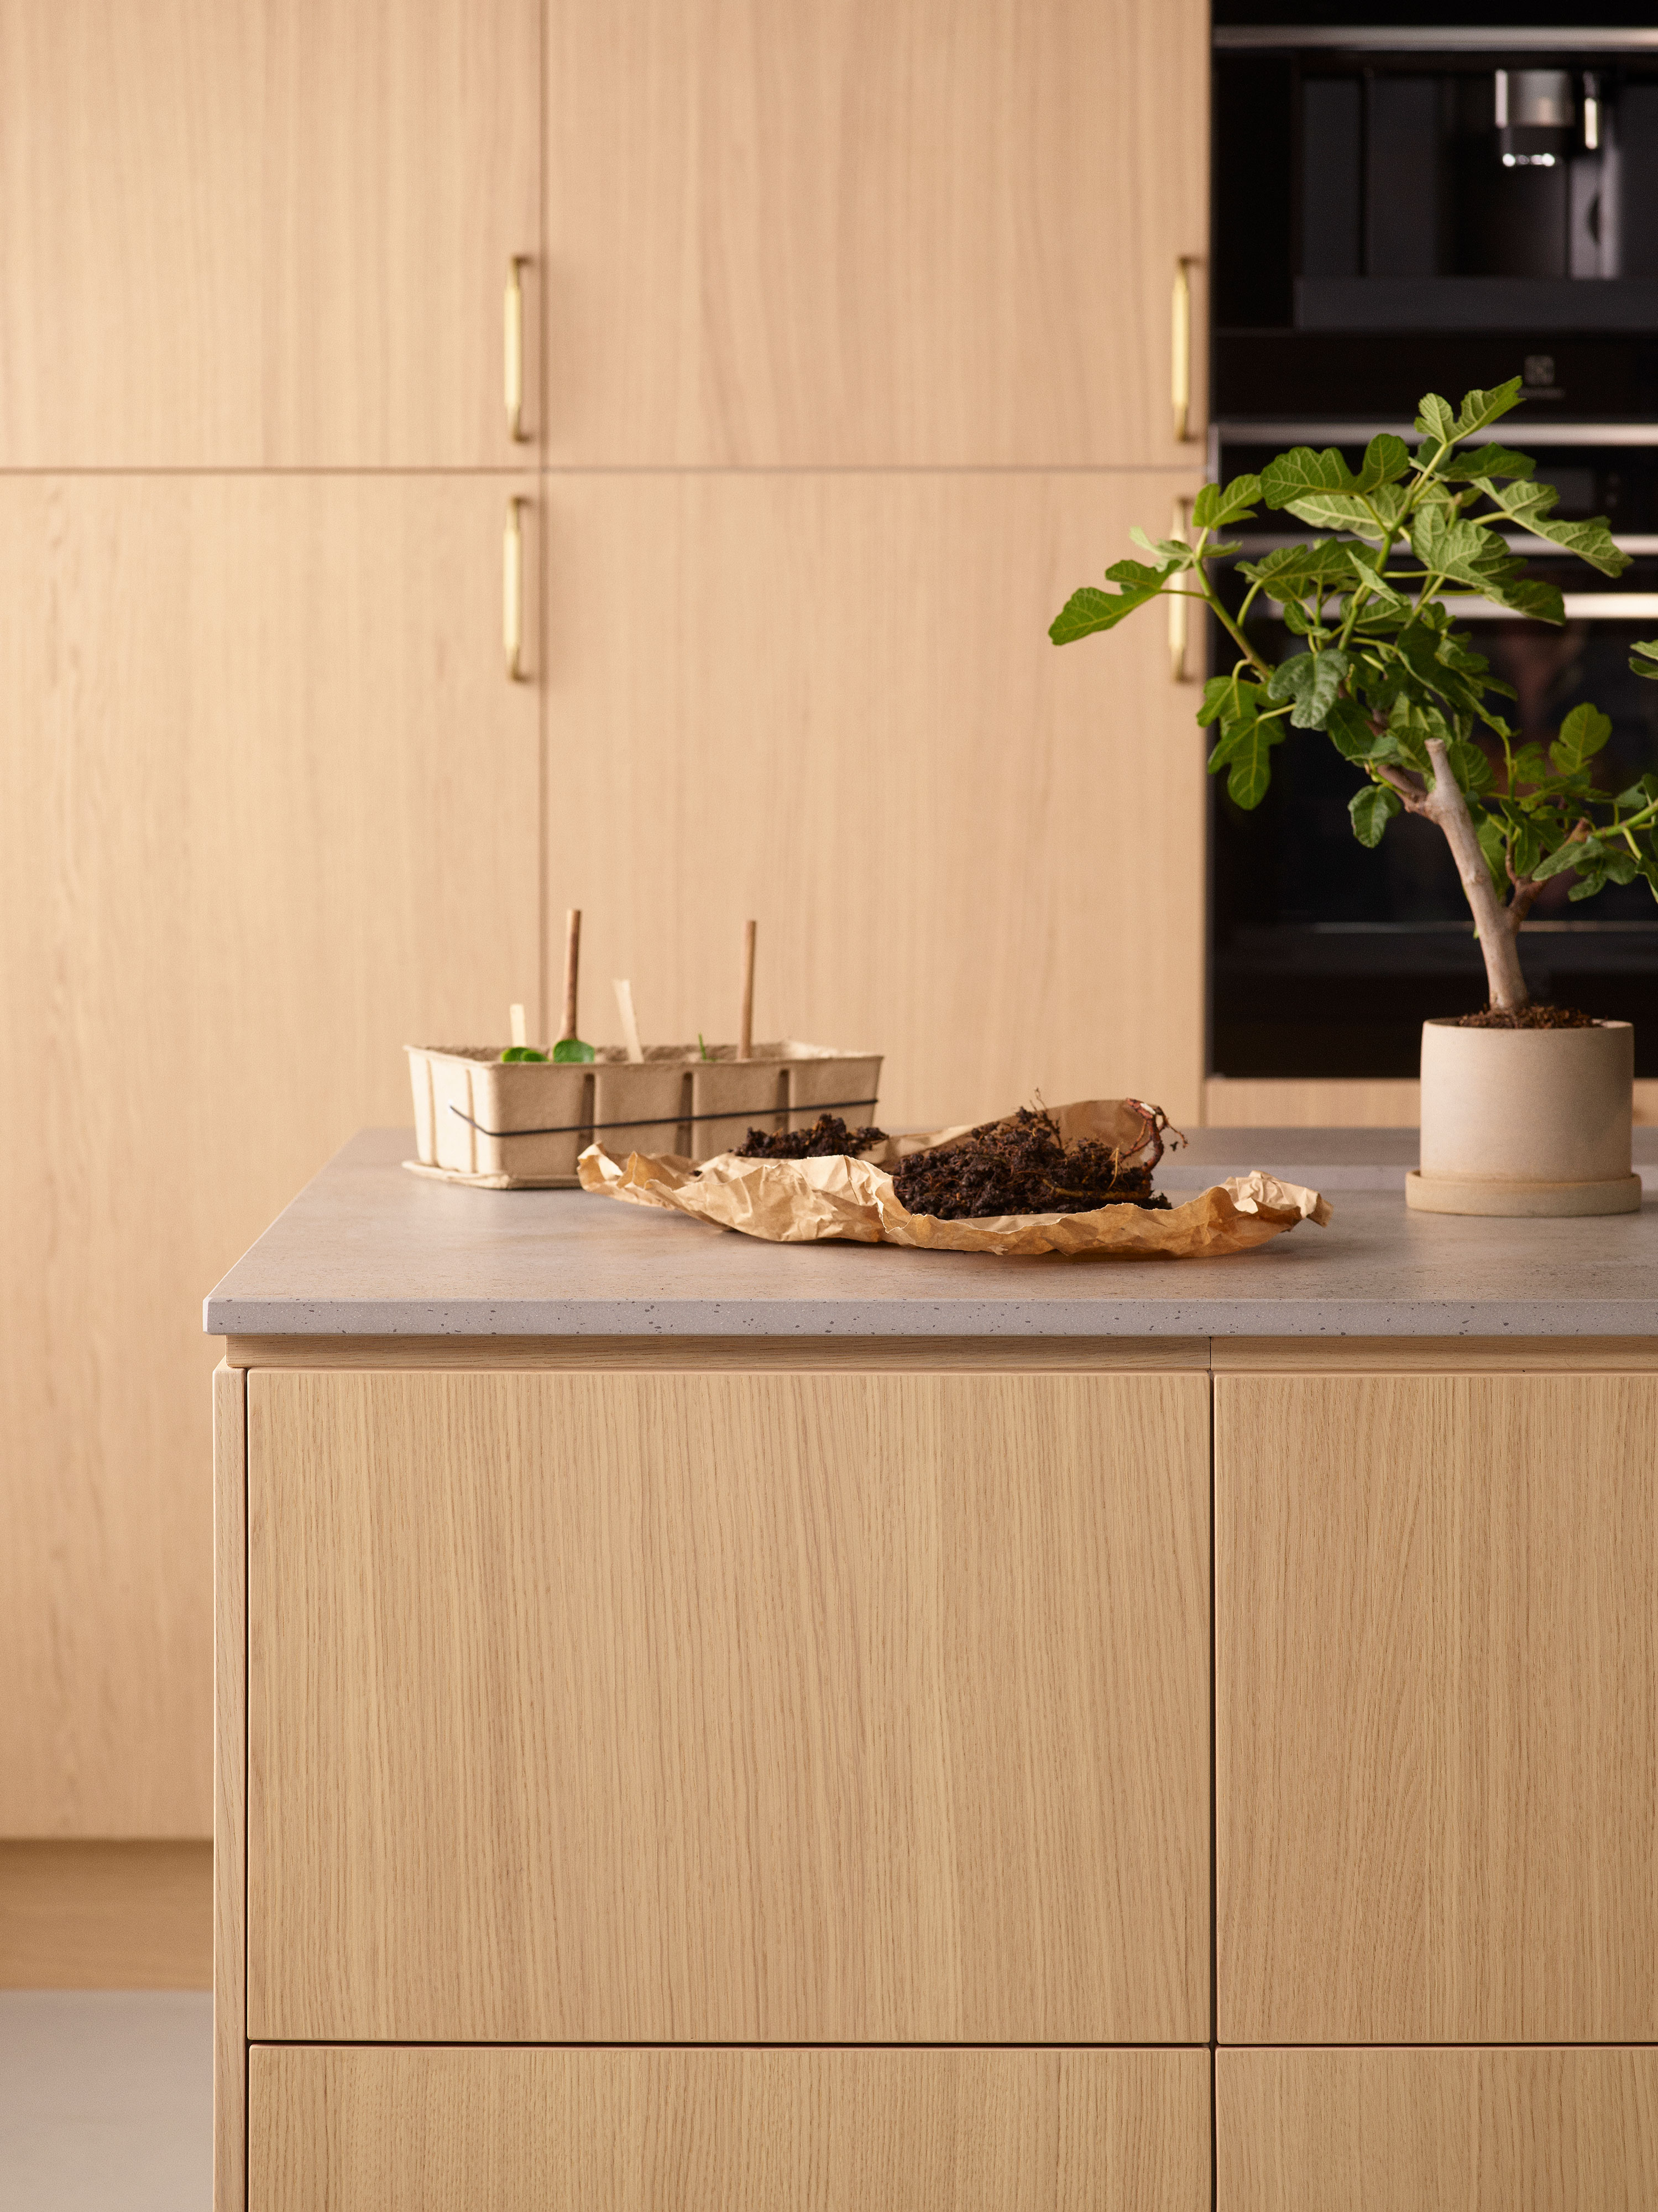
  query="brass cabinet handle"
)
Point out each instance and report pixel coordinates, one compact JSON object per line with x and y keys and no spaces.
{"x":1179,"y":354}
{"x":1177,"y":636}
{"x":513,"y":346}
{"x":1178,"y":609}
{"x":512,"y":588}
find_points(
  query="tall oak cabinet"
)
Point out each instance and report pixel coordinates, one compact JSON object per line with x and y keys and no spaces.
{"x":844,"y":351}
{"x":271,"y":806}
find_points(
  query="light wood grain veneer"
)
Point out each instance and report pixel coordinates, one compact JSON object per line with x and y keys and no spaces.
{"x":105,"y":1915}
{"x":352,"y":2131}
{"x":817,"y":1708}
{"x":1433,"y":1355}
{"x":1492,"y":2130}
{"x":229,"y":1790}
{"x":978,"y":1355}
{"x":243,"y":234}
{"x":981,"y":1355}
{"x":899,"y":232}
{"x":1436,"y":1667}
{"x":1246,"y":1103}
{"x":269,"y":742}
{"x":846,"y":693}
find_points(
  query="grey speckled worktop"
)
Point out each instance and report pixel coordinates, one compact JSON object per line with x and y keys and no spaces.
{"x":368,"y":1250}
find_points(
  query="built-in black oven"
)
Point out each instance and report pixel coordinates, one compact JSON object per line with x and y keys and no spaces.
{"x":1403,"y":207}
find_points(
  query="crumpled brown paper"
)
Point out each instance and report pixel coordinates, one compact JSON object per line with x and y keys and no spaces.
{"x":800,"y":1201}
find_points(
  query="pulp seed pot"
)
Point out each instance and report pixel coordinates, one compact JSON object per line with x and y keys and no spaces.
{"x":1525,"y":1122}
{"x":524,"y":1123}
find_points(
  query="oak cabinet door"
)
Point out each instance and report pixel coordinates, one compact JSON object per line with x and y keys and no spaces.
{"x":1436,"y":1658}
{"x":253,"y":234}
{"x":759,"y":1708}
{"x":869,"y":232}
{"x":269,"y":813}
{"x":353,"y":2130}
{"x":829,"y":700}
{"x":1424,"y":2130}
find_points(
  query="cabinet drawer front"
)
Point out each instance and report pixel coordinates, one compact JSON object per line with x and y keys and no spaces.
{"x":760,"y":1708}
{"x":1533,"y":2130}
{"x":355,"y":2130}
{"x":1436,"y":1659}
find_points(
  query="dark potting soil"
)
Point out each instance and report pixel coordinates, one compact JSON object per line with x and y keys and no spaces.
{"x":1021,"y":1166}
{"x":827,"y":1136}
{"x":1528,"y":1017}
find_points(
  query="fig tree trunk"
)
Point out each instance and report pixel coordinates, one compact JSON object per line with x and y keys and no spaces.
{"x":1498,"y":925}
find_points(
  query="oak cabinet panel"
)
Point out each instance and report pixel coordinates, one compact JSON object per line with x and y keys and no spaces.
{"x":351,"y":2130}
{"x":1437,"y":1656}
{"x":711,"y":1707}
{"x":1492,"y":2130}
{"x":271,"y":811}
{"x":229,"y":1789}
{"x":829,"y":701}
{"x":872,"y":232}
{"x":255,"y":233}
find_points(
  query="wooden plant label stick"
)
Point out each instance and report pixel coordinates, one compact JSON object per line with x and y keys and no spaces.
{"x":515,"y":1018}
{"x":745,"y":1032}
{"x":624,"y":1004}
{"x":572,"y":969}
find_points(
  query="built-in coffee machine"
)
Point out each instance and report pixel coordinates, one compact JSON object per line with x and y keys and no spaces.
{"x":1401,"y":207}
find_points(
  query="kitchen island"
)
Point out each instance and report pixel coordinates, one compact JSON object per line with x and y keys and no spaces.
{"x":704,"y":1723}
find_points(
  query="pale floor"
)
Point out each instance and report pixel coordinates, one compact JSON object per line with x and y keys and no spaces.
{"x":106,"y":2100}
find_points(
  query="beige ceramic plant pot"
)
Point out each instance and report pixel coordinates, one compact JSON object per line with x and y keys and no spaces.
{"x":1525,"y":1122}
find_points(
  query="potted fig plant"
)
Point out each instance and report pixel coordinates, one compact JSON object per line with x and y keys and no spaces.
{"x":1526,"y":1109}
